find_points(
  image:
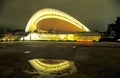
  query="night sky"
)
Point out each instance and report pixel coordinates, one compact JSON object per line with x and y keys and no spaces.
{"x":95,"y":14}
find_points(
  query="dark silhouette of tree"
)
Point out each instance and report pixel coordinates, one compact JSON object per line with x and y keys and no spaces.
{"x":111,"y":30}
{"x":18,"y":30}
{"x":114,"y":29}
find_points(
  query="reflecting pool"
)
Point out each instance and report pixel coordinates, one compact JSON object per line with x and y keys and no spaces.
{"x":52,"y":67}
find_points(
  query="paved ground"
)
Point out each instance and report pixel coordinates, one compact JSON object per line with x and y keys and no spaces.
{"x":93,"y":60}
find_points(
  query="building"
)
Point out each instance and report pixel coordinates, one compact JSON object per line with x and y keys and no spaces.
{"x":52,"y":24}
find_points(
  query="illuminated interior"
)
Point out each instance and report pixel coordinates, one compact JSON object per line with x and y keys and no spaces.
{"x":57,"y":25}
{"x":53,"y":67}
{"x":63,"y":37}
{"x":48,"y":19}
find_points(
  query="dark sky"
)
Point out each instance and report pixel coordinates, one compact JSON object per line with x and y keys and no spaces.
{"x":95,"y":14}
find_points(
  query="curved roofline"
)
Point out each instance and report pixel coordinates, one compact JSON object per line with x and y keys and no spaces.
{"x":52,"y":13}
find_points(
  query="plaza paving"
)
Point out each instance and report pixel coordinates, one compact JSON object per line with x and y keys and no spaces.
{"x":93,"y":60}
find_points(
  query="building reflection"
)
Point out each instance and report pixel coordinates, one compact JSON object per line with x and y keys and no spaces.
{"x":53,"y":67}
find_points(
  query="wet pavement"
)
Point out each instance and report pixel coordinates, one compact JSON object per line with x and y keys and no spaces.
{"x":92,"y":60}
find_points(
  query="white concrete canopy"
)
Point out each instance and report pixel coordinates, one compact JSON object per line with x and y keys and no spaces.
{"x":47,"y":19}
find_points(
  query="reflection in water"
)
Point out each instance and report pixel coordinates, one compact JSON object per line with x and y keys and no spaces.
{"x":52,"y":67}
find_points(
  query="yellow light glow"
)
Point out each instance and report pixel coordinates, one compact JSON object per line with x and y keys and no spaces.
{"x":12,"y":39}
{"x":57,"y":67}
{"x":52,"y":13}
{"x":64,"y":37}
{"x":70,"y":37}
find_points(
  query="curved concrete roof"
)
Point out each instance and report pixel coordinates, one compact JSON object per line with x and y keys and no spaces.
{"x":48,"y":19}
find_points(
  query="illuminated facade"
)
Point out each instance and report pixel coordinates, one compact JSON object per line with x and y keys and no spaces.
{"x":51,"y":19}
{"x":83,"y":36}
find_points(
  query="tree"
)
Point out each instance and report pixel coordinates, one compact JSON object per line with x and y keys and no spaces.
{"x":114,"y":29}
